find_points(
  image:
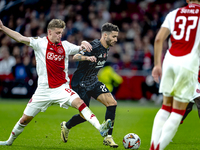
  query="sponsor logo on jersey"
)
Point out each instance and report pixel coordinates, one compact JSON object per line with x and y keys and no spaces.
{"x":100,"y":64}
{"x":52,"y":56}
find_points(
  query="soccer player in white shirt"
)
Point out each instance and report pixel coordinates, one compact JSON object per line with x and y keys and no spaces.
{"x":53,"y":83}
{"x":179,"y":71}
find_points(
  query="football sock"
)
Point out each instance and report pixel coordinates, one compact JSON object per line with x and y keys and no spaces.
{"x":89,"y":116}
{"x":159,"y":120}
{"x":110,"y":114}
{"x":76,"y":119}
{"x":170,"y":128}
{"x":17,"y":130}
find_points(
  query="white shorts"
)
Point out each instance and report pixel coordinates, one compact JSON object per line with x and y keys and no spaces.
{"x":45,"y":97}
{"x":196,"y":92}
{"x":177,"y":81}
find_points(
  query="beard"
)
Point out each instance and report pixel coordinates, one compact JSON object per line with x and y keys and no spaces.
{"x":108,"y":42}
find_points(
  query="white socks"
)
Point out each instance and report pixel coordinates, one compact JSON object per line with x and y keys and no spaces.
{"x":164,"y":128}
{"x":89,"y":116}
{"x":17,"y":130}
{"x":169,"y":129}
{"x":159,"y":120}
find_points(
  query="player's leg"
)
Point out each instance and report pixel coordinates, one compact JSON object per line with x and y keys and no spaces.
{"x":197,"y":102}
{"x":29,"y":114}
{"x":188,"y":110}
{"x":111,"y":104}
{"x":103,"y":95}
{"x":72,"y":99}
{"x":77,"y":119}
{"x":159,"y":121}
{"x":90,"y":117}
{"x":171,"y":125}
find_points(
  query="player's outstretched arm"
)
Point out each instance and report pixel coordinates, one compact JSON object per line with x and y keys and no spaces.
{"x":79,"y":57}
{"x":14,"y":35}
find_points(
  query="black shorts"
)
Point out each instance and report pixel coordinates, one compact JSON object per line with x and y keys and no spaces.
{"x":86,"y":95}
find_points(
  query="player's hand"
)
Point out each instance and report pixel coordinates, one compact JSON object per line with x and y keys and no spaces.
{"x":86,"y":45}
{"x":92,"y":58}
{"x":157,"y":73}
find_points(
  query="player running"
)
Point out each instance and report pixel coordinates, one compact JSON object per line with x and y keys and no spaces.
{"x":53,"y":83}
{"x":179,"y":72}
{"x":87,"y":85}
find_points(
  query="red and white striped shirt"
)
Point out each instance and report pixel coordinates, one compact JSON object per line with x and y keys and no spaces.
{"x":52,"y":61}
{"x":184,"y":26}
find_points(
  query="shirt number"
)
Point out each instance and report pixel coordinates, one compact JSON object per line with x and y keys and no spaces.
{"x":182,"y":20}
{"x":69,"y":91}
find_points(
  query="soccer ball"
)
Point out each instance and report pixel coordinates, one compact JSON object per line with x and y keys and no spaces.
{"x":131,"y":141}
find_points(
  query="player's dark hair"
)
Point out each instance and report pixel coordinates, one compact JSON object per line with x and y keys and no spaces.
{"x":109,"y":27}
{"x":56,"y":23}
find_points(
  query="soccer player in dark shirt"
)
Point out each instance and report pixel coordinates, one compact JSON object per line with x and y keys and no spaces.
{"x":85,"y":81}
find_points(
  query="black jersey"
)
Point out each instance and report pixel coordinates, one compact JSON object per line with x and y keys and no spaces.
{"x":86,"y":73}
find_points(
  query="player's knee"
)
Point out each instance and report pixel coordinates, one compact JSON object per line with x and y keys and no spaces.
{"x":25,"y":119}
{"x":77,"y":102}
{"x":112,"y":103}
{"x":115,"y":103}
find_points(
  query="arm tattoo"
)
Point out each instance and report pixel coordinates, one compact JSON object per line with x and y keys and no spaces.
{"x":108,"y":95}
{"x":80,"y":57}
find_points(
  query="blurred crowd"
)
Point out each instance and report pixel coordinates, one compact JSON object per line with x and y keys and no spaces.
{"x":138,"y":21}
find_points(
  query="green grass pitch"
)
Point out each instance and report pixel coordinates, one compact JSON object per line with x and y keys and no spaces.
{"x":43,"y":133}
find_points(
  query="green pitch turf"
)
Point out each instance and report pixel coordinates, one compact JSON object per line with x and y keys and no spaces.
{"x":43,"y":133}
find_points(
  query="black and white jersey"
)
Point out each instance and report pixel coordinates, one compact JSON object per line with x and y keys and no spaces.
{"x":86,"y":73}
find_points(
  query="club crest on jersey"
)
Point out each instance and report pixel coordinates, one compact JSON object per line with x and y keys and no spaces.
{"x":104,"y":55}
{"x":60,"y":50}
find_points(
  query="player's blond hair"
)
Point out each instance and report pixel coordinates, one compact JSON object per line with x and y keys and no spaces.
{"x":56,"y":23}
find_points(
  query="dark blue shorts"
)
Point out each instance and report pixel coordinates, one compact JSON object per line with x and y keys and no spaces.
{"x":98,"y":89}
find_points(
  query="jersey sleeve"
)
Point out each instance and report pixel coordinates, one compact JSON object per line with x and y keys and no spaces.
{"x":70,"y":48}
{"x":168,"y":22}
{"x":34,"y":42}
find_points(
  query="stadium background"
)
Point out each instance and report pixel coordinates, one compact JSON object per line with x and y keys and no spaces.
{"x":131,"y":57}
